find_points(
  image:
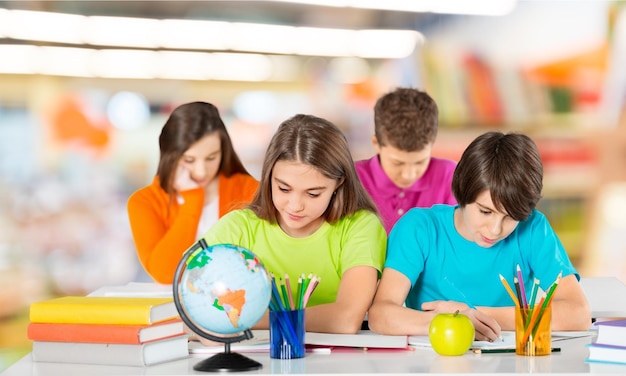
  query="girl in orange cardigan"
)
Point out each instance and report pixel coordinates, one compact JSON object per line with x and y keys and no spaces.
{"x":199,"y":179}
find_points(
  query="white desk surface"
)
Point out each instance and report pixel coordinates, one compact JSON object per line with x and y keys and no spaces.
{"x":571,"y":360}
{"x":606,"y":296}
{"x":600,"y":291}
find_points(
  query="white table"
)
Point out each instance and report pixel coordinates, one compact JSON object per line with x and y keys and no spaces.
{"x":606,"y":296}
{"x":571,"y":360}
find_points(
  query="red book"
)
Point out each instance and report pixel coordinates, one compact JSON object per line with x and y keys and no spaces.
{"x":104,"y":333}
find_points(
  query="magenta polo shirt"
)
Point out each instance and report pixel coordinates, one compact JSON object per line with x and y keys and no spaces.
{"x":434,"y":187}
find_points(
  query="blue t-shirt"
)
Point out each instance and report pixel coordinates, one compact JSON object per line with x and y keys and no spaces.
{"x":425,"y":246}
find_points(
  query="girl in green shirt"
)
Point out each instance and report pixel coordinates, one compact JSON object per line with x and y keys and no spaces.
{"x":311,"y":214}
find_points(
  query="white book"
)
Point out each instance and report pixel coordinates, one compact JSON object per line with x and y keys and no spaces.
{"x":362,"y":339}
{"x":136,"y":289}
{"x":260,"y":342}
{"x":144,"y":354}
{"x":606,"y":353}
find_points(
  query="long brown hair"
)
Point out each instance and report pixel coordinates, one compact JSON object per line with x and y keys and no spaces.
{"x":320,"y":144}
{"x":187,"y":124}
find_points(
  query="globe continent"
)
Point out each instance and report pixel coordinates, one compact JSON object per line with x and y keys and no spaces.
{"x":224,"y":289}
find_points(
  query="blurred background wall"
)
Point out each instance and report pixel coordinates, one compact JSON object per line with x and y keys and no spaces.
{"x":80,"y":118}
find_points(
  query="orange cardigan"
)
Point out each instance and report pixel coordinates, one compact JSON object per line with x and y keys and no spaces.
{"x":162,"y":231}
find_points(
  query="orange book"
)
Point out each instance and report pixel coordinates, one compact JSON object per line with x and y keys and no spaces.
{"x":95,"y":333}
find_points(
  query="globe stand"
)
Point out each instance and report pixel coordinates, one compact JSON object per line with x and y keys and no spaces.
{"x":227,"y":362}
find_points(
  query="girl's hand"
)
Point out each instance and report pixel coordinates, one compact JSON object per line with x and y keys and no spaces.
{"x":183,"y":181}
{"x":486,"y":327}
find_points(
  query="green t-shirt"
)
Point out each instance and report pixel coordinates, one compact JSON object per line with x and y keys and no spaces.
{"x":357,"y":240}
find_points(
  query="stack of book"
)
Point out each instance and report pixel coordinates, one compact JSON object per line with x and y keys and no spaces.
{"x":610,"y":344}
{"x":123,"y":331}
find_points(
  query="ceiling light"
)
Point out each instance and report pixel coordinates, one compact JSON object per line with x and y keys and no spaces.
{"x":42,"y":26}
{"x":193,"y":34}
{"x":65,"y":61}
{"x":143,"y":64}
{"x":126,"y":32}
{"x":474,"y":7}
{"x":184,"y":65}
{"x":241,"y":67}
{"x":121,"y":32}
{"x":21,"y":61}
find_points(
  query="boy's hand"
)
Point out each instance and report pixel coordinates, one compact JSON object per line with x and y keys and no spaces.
{"x":183,"y":181}
{"x":486,"y":327}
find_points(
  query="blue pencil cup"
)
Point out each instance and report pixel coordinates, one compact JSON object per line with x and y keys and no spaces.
{"x":287,"y":331}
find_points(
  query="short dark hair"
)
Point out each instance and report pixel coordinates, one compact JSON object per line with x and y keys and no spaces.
{"x":406,"y":119}
{"x":508,"y":165}
{"x":187,"y":124}
{"x":320,"y":144}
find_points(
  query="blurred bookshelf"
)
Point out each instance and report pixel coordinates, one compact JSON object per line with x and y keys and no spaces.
{"x":557,"y":104}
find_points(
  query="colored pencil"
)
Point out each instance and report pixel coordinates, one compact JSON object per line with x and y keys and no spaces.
{"x":520,"y":277}
{"x":533,"y":294}
{"x":282,"y":298}
{"x":508,"y":289}
{"x":289,"y":295}
{"x":547,"y":301}
{"x":530,"y":327}
{"x":503,"y":351}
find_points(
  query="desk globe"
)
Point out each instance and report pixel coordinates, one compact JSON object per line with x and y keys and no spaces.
{"x":220,"y":292}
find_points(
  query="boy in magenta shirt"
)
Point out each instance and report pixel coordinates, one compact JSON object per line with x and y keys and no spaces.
{"x":403,"y":174}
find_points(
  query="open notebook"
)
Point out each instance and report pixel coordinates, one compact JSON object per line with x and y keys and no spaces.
{"x":506,"y":342}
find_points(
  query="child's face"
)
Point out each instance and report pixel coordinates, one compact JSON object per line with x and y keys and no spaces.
{"x":301,"y":195}
{"x":404,"y":168}
{"x":481,"y":223}
{"x":201,"y":162}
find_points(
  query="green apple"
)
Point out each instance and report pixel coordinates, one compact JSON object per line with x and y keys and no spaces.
{"x":451,"y":333}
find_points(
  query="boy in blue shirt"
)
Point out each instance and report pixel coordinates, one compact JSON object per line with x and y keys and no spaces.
{"x":449,"y":258}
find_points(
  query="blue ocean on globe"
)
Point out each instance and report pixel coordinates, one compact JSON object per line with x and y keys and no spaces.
{"x":224,"y":289}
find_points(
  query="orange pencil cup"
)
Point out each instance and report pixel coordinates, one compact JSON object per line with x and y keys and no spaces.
{"x":532,"y":331}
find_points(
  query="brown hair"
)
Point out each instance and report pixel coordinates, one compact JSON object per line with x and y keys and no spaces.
{"x":406,"y":119}
{"x":320,"y":144}
{"x":508,"y":165}
{"x":187,"y":124}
